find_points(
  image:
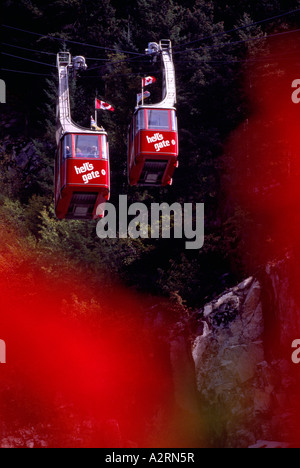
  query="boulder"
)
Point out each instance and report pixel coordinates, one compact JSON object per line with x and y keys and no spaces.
{"x":242,"y":388}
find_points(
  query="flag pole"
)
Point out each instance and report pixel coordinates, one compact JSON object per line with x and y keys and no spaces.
{"x":142,"y":91}
{"x":96,"y":113}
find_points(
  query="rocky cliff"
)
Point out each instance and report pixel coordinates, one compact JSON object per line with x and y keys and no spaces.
{"x":246,"y":380}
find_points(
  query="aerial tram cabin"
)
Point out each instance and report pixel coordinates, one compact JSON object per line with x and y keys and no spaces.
{"x":153,"y":133}
{"x":81,"y":175}
{"x":82,"y":172}
{"x":153,"y":147}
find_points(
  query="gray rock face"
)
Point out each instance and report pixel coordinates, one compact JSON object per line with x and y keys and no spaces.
{"x":244,"y":388}
{"x":23,"y":157}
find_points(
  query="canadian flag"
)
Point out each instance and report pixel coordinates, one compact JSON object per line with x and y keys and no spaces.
{"x":148,"y":81}
{"x":104,"y":105}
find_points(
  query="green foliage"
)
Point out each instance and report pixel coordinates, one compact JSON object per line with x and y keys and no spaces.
{"x":9,"y":182}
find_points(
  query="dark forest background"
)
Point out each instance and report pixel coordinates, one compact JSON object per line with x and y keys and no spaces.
{"x":216,"y":72}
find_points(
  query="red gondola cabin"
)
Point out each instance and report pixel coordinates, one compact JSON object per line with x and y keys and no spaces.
{"x":82,"y":175}
{"x":153,"y":146}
